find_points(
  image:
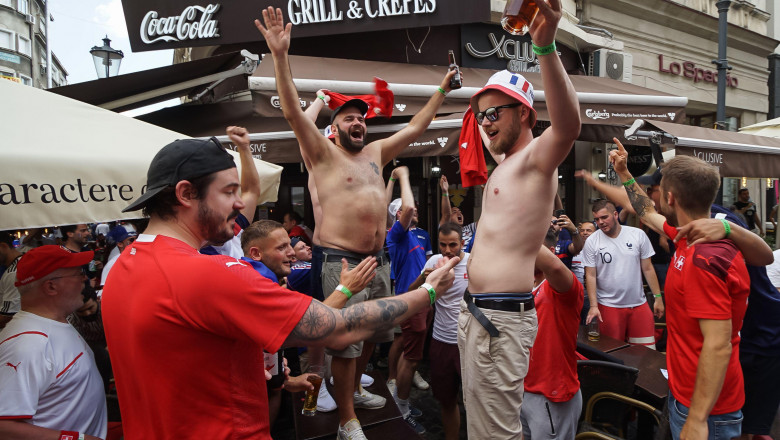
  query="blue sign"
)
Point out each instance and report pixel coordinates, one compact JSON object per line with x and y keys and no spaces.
{"x":10,"y":57}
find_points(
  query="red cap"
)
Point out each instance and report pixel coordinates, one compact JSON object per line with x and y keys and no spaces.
{"x":44,"y":260}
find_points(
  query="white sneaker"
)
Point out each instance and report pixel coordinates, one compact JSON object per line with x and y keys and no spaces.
{"x":351,"y":431}
{"x":393,"y":389}
{"x":365,"y":380}
{"x":325,"y":402}
{"x":419,"y":382}
{"x":367,"y":400}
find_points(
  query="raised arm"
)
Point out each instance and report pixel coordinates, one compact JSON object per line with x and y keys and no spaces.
{"x":446,"y":208}
{"x":250,"y":179}
{"x":324,"y":326}
{"x":577,"y":242}
{"x":277,"y":36}
{"x":564,"y":109}
{"x":615,"y":194}
{"x":558,"y":275}
{"x":407,"y":198}
{"x":643,"y":206}
{"x":393,"y":146}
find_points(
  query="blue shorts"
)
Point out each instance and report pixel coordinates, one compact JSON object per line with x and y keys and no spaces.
{"x":720,"y":427}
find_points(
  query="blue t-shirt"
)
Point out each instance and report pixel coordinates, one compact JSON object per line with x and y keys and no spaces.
{"x":562,"y":252}
{"x":407,"y":254}
{"x":760,"y":332}
{"x":299,"y":279}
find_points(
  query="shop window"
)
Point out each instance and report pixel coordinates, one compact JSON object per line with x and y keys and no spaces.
{"x":7,"y":40}
{"x":25,"y":46}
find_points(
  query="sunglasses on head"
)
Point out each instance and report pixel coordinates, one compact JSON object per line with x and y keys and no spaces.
{"x":491,"y":113}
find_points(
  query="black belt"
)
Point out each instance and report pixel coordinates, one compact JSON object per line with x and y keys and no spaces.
{"x":332,"y":255}
{"x":506,"y":305}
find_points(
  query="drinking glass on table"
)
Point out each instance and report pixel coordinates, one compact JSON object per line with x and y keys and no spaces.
{"x":593,"y":330}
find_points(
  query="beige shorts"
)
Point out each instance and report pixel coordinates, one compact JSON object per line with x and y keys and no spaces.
{"x":493,"y":370}
{"x":379,"y":287}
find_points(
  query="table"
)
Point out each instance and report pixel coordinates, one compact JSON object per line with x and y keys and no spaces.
{"x":381,"y":421}
{"x":651,"y":383}
{"x":605,"y":343}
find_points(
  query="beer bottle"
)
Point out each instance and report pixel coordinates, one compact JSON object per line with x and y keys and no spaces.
{"x":455,"y":81}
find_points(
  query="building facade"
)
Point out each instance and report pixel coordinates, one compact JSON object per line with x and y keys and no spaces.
{"x":23,"y":40}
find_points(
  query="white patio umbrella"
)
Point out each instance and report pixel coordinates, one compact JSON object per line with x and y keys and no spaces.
{"x":63,"y":161}
{"x":769,"y":128}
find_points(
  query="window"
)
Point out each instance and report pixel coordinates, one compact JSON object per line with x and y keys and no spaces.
{"x":26,"y":80}
{"x":23,"y":6}
{"x":25,"y":46}
{"x":8,"y":3}
{"x":7,"y":40}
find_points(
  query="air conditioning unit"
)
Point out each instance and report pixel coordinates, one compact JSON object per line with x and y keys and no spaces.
{"x":611,"y":64}
{"x":29,"y":18}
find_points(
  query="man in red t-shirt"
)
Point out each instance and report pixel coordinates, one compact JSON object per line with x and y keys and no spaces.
{"x":706,"y":294}
{"x":186,"y":331}
{"x":552,"y":401}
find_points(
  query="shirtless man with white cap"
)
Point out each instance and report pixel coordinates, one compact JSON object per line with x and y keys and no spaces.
{"x":499,"y":311}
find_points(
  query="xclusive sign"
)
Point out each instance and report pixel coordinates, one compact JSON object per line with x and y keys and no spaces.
{"x":157,"y":25}
{"x":489,"y":47}
{"x":690,"y":70}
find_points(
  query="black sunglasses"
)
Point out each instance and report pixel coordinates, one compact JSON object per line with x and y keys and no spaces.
{"x":492,"y":112}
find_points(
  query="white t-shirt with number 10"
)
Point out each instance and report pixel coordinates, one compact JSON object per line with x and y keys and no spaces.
{"x":618,"y":263}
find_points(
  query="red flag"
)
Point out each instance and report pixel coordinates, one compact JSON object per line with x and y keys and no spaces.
{"x":380,"y":104}
{"x":473,"y":170}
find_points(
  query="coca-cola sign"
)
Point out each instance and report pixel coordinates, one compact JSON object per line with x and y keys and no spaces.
{"x":194,"y":23}
{"x":170,"y":24}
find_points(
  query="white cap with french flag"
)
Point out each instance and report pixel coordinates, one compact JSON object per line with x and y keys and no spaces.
{"x":513,"y":85}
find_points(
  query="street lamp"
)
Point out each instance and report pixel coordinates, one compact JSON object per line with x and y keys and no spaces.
{"x":107,"y":59}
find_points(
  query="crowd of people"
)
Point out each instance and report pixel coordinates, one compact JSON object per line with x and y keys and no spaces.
{"x":195,"y":312}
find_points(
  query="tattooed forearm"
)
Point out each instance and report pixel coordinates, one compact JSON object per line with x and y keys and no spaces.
{"x":639,"y":200}
{"x":317,"y":322}
{"x":378,"y":315}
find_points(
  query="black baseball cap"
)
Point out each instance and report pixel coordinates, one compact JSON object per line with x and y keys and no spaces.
{"x":359,"y":103}
{"x":653,"y":179}
{"x":182,"y":159}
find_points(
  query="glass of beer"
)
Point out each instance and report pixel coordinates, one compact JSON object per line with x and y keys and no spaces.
{"x":518,"y":16}
{"x":593,"y":330}
{"x":310,"y":400}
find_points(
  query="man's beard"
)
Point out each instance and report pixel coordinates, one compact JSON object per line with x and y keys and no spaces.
{"x":213,"y":228}
{"x":501,"y":145}
{"x":348,"y":143}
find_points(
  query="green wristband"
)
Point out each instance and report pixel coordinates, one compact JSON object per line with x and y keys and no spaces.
{"x":344,"y":290}
{"x":657,"y":295}
{"x":442,"y":91}
{"x":446,"y":194}
{"x":431,"y":292}
{"x":323,"y":99}
{"x":543,"y":50}
{"x":726,"y":226}
{"x":629,"y":182}
{"x":392,"y":179}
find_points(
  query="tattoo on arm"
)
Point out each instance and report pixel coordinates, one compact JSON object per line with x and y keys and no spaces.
{"x":380,"y":314}
{"x":639,"y":201}
{"x":317,"y":322}
{"x":375,"y":167}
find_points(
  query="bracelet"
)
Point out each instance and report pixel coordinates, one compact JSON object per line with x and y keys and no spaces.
{"x":446,"y":194}
{"x":629,"y":182}
{"x":442,"y":91}
{"x":392,"y":179}
{"x":431,"y":292}
{"x":71,"y":435}
{"x":323,"y":98}
{"x":344,"y":290}
{"x":726,"y":226}
{"x":543,"y":50}
{"x":657,"y":295}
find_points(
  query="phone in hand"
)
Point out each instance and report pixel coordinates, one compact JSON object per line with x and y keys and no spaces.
{"x":559,"y":212}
